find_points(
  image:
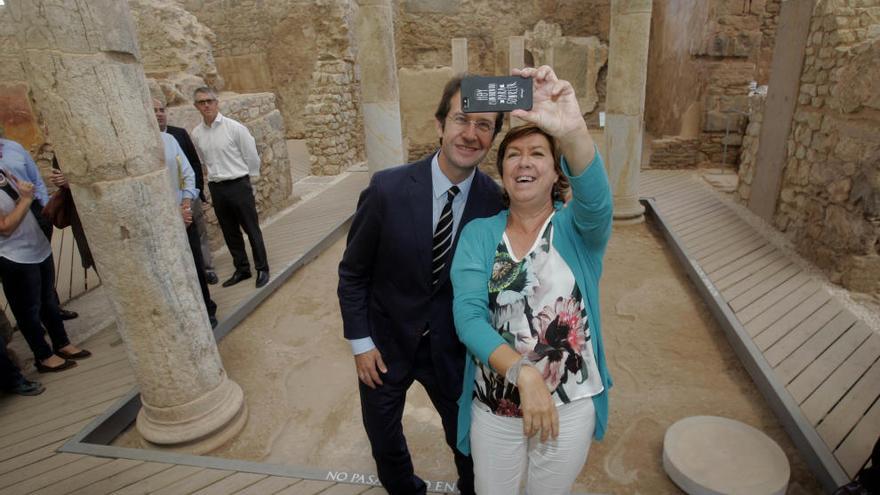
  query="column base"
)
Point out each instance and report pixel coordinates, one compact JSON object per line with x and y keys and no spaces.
{"x":628,"y":212}
{"x":198,"y":426}
{"x":207,"y":444}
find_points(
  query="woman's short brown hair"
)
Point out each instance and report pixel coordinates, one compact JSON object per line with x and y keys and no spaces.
{"x":561,"y":186}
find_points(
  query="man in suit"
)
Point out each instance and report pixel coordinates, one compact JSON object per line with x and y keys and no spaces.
{"x":189,"y":150}
{"x":394,"y":289}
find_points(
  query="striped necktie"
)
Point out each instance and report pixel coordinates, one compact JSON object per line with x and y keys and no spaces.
{"x":443,"y":237}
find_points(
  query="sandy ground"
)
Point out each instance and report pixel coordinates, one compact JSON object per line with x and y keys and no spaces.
{"x":668,"y":358}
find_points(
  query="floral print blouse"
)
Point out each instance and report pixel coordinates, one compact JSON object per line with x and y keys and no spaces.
{"x":536,"y":306}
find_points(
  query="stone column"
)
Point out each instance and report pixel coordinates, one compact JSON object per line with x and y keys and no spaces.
{"x":88,"y":84}
{"x":381,"y":95}
{"x":625,"y":104}
{"x":459,"y":55}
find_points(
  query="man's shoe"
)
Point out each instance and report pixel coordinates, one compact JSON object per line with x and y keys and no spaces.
{"x":23,"y":386}
{"x":42,"y":368}
{"x":262,"y":278}
{"x":211,"y":278}
{"x":68,"y":315}
{"x":236,"y":278}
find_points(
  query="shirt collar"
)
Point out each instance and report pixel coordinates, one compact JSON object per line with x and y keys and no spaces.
{"x":441,"y":183}
{"x":217,"y":120}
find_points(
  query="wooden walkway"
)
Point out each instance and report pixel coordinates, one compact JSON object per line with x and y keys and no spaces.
{"x":33,"y":429}
{"x":815,"y":361}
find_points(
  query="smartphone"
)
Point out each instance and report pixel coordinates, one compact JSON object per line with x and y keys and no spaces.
{"x":495,"y":94}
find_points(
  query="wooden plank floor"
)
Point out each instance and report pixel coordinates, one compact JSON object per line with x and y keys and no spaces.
{"x":823,"y":356}
{"x":819,"y":352}
{"x":33,"y":428}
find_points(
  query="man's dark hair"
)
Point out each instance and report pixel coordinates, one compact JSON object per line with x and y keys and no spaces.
{"x":452,"y":87}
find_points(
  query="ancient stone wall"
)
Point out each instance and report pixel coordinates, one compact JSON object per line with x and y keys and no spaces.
{"x":749,"y":149}
{"x":703,"y":56}
{"x":424,"y":28}
{"x":302,"y":51}
{"x":829,"y":203}
{"x":769,"y":22}
{"x":172,"y":41}
{"x":674,"y":152}
{"x":258,"y":112}
{"x":571,"y":35}
{"x":331,"y":118}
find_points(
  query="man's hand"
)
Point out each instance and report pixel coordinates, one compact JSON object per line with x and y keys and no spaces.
{"x":369,"y":364}
{"x":186,"y":212}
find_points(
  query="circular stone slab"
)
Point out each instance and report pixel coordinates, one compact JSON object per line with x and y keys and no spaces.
{"x":708,"y":455}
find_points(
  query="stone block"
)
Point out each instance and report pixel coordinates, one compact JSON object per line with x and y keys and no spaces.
{"x":420,"y":91}
{"x":18,"y":117}
{"x":838,"y":190}
{"x":578,"y":60}
{"x":172,"y":40}
{"x":431,"y":6}
{"x":862,"y":273}
{"x":732,"y":139}
{"x":717,"y":121}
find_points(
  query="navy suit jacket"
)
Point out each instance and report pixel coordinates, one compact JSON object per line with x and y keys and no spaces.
{"x":385,"y":290}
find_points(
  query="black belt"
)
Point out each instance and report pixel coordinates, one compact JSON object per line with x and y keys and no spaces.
{"x":227,"y":181}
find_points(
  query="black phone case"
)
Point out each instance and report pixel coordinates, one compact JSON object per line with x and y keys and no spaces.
{"x":495,"y":94}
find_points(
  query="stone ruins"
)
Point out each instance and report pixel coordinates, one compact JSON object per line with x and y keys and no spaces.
{"x":783,"y":92}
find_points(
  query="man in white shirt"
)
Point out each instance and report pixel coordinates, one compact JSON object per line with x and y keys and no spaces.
{"x":229,"y":153}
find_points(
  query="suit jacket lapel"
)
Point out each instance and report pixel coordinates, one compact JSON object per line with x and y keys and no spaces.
{"x":421,"y":206}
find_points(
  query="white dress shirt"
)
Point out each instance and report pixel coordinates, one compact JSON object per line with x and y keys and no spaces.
{"x":227,"y":149}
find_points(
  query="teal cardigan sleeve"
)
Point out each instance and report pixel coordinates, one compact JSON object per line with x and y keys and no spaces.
{"x":471,"y":269}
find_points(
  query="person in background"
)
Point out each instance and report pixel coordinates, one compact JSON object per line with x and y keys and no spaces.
{"x":189,"y":150}
{"x":17,"y":161}
{"x":526,"y":285}
{"x":230,"y":156}
{"x":28,"y":273}
{"x":57,"y":178}
{"x":11,"y":379}
{"x":183,"y":189}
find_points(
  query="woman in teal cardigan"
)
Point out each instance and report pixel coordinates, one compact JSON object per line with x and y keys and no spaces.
{"x":526,"y":285}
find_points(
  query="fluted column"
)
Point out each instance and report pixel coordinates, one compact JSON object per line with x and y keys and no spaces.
{"x":88,"y":83}
{"x":625,"y":104}
{"x":381,"y":95}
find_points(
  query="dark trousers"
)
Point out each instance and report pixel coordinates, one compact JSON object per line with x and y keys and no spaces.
{"x":236,"y":210}
{"x":382,"y":411}
{"x":30,"y":291}
{"x":192,"y":235}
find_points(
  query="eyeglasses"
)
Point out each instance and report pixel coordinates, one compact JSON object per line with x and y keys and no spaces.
{"x":207,"y":101}
{"x":484,"y":127}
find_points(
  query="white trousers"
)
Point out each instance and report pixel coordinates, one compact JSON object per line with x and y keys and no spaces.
{"x":502,"y":453}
